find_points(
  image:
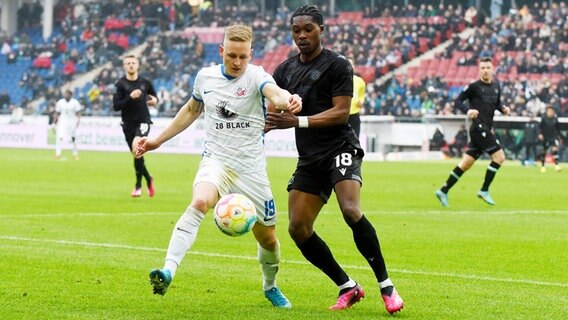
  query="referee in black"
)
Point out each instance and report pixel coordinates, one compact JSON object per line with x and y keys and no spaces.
{"x":484,"y":96}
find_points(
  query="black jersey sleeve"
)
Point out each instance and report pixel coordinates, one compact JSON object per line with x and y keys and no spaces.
{"x":151,"y":91}
{"x":342,"y":82}
{"x":120,"y":99}
{"x":463,"y":96}
{"x":557,"y":126}
{"x":499,"y":105}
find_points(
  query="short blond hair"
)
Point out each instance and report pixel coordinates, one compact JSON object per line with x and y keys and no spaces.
{"x":238,"y":32}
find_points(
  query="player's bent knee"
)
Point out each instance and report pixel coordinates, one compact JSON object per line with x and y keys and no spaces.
{"x":299,"y":232}
{"x":498,"y":157}
{"x":351,"y":214}
{"x":265,"y":236}
{"x":200,"y":204}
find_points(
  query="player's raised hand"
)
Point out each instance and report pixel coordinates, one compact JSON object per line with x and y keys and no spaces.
{"x":280,"y":120}
{"x":295,"y":104}
{"x":135,"y":94}
{"x":472,"y":113}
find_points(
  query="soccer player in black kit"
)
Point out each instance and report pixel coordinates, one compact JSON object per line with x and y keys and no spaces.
{"x":133,"y":94}
{"x":549,"y":134}
{"x":330,"y":157}
{"x":484,"y":96}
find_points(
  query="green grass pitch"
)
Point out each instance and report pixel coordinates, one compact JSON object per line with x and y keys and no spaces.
{"x":74,"y":245}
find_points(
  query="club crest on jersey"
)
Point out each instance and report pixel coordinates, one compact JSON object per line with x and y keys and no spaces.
{"x":241,"y":91}
{"x":314,"y":75}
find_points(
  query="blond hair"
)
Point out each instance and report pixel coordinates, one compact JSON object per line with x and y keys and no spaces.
{"x":238,"y":32}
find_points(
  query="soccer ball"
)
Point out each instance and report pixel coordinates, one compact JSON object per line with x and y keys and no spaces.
{"x":235,"y":214}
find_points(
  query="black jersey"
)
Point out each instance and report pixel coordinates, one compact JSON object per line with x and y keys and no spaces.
{"x":483,"y":97}
{"x":549,"y":128}
{"x":317,"y":82}
{"x":133,"y":110}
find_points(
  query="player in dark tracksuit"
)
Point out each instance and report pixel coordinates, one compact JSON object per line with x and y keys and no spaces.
{"x":484,"y":96}
{"x":549,"y":136}
{"x":530,"y":139}
{"x":330,"y":157}
{"x":133,"y":94}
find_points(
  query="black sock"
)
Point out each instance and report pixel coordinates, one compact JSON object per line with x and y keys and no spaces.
{"x":316,"y":251}
{"x":452,"y":179}
{"x":141,"y":170}
{"x":367,"y":242}
{"x":138,"y":172}
{"x":489,"y":175}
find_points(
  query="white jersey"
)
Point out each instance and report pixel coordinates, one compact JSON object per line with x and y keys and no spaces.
{"x":235,"y":113}
{"x":67,"y":111}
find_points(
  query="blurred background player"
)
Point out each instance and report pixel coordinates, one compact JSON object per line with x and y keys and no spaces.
{"x":549,"y":136}
{"x":357,"y":102}
{"x":330,"y":158}
{"x":530,"y":139}
{"x":232,"y":97}
{"x":133,"y":95}
{"x":66,"y":120}
{"x":460,"y":141}
{"x":484,"y":96}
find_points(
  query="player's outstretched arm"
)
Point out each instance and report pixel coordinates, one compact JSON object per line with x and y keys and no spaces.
{"x":336,"y":115}
{"x":183,"y":119}
{"x":282,"y":99}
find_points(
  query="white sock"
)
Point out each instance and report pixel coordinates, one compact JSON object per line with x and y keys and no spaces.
{"x":75,"y":150}
{"x":58,"y":147}
{"x":386,"y":283}
{"x":269,"y":265}
{"x":183,"y":237}
{"x":349,"y":284}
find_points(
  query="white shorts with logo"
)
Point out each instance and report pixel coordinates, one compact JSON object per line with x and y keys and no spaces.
{"x":253,"y":185}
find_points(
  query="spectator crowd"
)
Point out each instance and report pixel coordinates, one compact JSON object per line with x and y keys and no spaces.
{"x":529,"y":46}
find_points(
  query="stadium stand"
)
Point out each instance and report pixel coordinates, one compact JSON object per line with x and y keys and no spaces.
{"x":529,"y":46}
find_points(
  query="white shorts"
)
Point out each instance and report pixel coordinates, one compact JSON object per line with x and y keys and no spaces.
{"x":253,"y":185}
{"x":65,"y":132}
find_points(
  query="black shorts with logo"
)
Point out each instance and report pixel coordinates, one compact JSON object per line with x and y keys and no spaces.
{"x":320,"y":177}
{"x":481,"y":140}
{"x":132,"y":130}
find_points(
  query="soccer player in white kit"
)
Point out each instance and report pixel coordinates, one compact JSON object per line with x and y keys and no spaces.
{"x":68,"y":113}
{"x":232,"y":97}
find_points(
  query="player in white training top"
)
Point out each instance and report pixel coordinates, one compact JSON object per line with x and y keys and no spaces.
{"x":67,"y":115}
{"x":232,"y":97}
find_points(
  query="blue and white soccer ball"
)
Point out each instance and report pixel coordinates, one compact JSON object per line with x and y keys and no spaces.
{"x":235,"y":214}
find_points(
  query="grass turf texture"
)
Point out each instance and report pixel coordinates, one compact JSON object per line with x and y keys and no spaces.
{"x":75,"y":245}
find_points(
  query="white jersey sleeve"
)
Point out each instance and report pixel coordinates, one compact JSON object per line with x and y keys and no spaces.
{"x":196,"y":87}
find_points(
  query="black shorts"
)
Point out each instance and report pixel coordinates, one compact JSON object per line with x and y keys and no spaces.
{"x":320,"y":177}
{"x":550,"y":143}
{"x":132,"y":130}
{"x":481,"y":140}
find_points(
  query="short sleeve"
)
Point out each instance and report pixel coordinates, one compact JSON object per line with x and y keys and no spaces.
{"x":262,"y":78}
{"x":197,"y":86}
{"x":342,"y":78}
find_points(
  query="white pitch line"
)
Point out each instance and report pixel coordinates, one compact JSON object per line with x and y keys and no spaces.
{"x":240,"y":257}
{"x":368,"y":212}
